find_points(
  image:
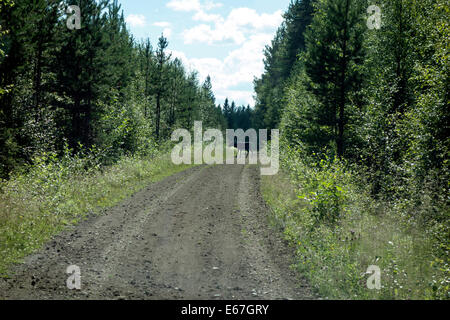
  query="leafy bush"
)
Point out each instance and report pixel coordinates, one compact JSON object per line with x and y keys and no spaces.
{"x":54,"y":192}
{"x":338,"y":229}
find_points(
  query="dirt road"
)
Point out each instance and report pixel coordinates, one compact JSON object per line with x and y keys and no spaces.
{"x":200,"y":234}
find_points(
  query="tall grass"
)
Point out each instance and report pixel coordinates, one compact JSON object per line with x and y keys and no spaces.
{"x":339,"y":230}
{"x":54,"y":192}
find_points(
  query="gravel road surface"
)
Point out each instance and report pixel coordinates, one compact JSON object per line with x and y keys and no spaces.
{"x":200,"y":234}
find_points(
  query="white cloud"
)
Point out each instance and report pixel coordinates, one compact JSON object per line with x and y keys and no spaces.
{"x":184,"y":5}
{"x":136,"y":20}
{"x":180,"y":55}
{"x":243,"y":27}
{"x":239,"y":23}
{"x":192,"y":5}
{"x":167,"y":32}
{"x":247,"y":61}
{"x":167,"y":28}
{"x":205,"y":34}
{"x":249,"y":17}
{"x":239,"y":68}
{"x":209,"y":5}
{"x":205,"y":17}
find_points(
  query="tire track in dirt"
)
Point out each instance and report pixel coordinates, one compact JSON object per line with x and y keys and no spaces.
{"x":200,"y":234}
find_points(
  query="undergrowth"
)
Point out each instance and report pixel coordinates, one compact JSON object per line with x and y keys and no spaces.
{"x":54,"y":192}
{"x":338,"y":230}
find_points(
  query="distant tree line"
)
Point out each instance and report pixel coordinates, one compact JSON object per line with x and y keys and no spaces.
{"x":96,"y":86}
{"x":237,"y":117}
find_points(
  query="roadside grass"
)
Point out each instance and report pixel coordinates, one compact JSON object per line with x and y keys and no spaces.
{"x":335,"y":257}
{"x":55,"y":193}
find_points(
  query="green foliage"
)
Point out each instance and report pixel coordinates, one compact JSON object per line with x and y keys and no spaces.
{"x":334,"y":253}
{"x":57,"y":191}
{"x":84,"y":116}
{"x":383,"y":95}
{"x":323,"y":185}
{"x":332,"y":62}
{"x":93,"y":86}
{"x":3,"y":3}
{"x":301,"y":126}
{"x":280,"y":58}
{"x":237,"y":117}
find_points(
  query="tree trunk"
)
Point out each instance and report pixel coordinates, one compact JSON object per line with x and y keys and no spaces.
{"x":158,"y":114}
{"x":343,"y":89}
{"x":37,"y":79}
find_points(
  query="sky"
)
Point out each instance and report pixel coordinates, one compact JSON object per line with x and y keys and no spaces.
{"x":221,"y":38}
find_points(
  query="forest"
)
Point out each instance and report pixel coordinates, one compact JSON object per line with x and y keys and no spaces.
{"x":100,"y":87}
{"x":359,"y":90}
{"x":86,"y":116}
{"x":363,"y":111}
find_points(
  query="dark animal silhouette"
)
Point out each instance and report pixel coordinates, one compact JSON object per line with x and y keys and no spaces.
{"x":242,"y":146}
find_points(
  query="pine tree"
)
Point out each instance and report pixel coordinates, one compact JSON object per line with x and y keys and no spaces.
{"x":82,"y":69}
{"x":228,"y":114}
{"x":280,"y":59}
{"x":89,"y":86}
{"x":147,"y":62}
{"x":159,"y":87}
{"x":297,"y":19}
{"x":118,"y":49}
{"x":233,"y":110}
{"x":177,"y":84}
{"x":333,"y":61}
{"x":26,"y":76}
{"x":208,"y":115}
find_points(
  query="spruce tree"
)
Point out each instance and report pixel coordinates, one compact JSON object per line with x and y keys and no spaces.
{"x":159,"y":86}
{"x":228,"y":114}
{"x":82,"y":71}
{"x":333,"y":61}
{"x":279,"y":61}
